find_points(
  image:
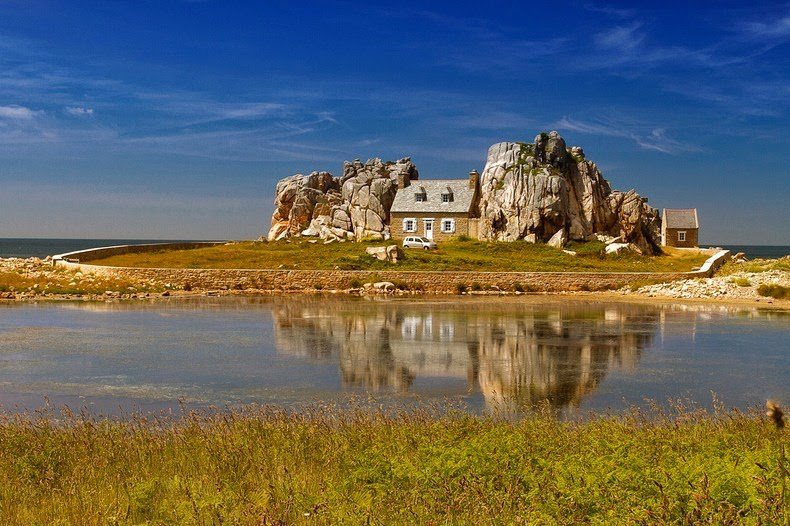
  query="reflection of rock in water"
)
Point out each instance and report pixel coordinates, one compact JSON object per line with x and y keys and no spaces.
{"x":559,"y":357}
{"x":515,"y":355}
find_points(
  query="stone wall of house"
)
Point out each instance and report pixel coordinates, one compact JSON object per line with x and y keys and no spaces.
{"x":462,"y":225}
{"x":692,"y":237}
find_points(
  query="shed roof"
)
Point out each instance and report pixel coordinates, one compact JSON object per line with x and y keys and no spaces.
{"x":462,"y":201}
{"x":680,"y":218}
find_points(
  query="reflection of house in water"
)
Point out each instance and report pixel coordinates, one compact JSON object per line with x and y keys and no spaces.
{"x":515,"y":355}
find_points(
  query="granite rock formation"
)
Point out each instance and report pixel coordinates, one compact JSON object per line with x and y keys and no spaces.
{"x":299,"y":199}
{"x":534,"y":191}
{"x":540,"y":192}
{"x":353,"y":206}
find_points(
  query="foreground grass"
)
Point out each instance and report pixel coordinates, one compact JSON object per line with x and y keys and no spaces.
{"x":455,"y":255}
{"x":326,"y":466}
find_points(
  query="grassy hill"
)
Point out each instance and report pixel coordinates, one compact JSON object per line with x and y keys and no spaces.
{"x":451,"y":256}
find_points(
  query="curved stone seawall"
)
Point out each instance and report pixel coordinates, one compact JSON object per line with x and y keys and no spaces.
{"x":436,"y":282}
{"x":92,"y":254}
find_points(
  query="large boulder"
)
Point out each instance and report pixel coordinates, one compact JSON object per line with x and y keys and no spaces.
{"x":535,"y":190}
{"x":357,"y":203}
{"x":368,"y":190}
{"x":391,"y":253}
{"x":300,"y":197}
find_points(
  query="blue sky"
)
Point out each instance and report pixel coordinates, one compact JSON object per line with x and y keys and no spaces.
{"x":174,"y":119}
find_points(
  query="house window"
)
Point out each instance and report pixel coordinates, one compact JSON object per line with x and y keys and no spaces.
{"x":410,"y":224}
{"x":421,"y":197}
{"x":447,"y":198}
{"x":448,"y":226}
{"x":681,"y":236}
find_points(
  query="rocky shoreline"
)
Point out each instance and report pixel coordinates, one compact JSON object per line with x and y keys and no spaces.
{"x":37,"y":279}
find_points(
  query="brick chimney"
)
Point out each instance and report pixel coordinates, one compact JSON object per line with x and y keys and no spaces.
{"x":474,"y":180}
{"x":403,"y":181}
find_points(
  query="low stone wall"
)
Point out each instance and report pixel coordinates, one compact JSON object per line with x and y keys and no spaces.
{"x":436,"y":282}
{"x":714,"y":263}
{"x":92,"y":254}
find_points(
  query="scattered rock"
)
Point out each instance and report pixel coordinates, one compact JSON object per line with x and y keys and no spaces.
{"x":384,"y":286}
{"x":394,"y":253}
{"x":620,"y":248}
{"x":716,"y":287}
{"x":391,"y":253}
{"x":558,"y":240}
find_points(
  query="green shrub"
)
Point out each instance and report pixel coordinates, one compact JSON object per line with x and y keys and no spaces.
{"x":460,"y":288}
{"x":774,"y":291}
{"x":742,"y":282}
{"x":464,"y":238}
{"x":477,"y":287}
{"x":318,"y":286}
{"x":355,"y":283}
{"x":518,"y":287}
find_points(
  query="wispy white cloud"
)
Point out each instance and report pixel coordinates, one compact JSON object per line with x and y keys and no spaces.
{"x":79,"y":111}
{"x":625,"y":39}
{"x":18,"y":112}
{"x":646,"y":137}
{"x":609,"y":10}
{"x":778,"y":28}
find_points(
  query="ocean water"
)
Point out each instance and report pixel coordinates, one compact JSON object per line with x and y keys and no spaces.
{"x":759,"y":251}
{"x":34,"y":247}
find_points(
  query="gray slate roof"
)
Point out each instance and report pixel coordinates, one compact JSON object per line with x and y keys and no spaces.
{"x":434,"y":188}
{"x":681,"y":218}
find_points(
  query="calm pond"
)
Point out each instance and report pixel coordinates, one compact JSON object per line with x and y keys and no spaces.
{"x":492,"y":355}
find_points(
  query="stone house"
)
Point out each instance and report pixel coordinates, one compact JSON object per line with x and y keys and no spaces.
{"x":679,"y":227}
{"x":437,"y":209}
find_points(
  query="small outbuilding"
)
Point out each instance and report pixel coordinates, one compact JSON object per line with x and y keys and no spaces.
{"x":680,"y":227}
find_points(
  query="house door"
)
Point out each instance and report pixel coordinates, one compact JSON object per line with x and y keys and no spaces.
{"x":429,"y":228}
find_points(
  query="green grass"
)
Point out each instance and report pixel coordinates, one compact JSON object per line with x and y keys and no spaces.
{"x":742,"y":282}
{"x":330,"y":466}
{"x":455,"y":255}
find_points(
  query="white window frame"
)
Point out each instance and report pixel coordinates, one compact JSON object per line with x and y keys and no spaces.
{"x":452,"y":225}
{"x":420,"y":197}
{"x":413,"y":221}
{"x":448,"y":196}
{"x":681,"y":235}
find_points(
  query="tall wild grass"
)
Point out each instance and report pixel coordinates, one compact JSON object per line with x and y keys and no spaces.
{"x":327,"y":465}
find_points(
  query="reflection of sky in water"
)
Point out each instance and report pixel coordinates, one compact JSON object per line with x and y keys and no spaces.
{"x":492,"y":354}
